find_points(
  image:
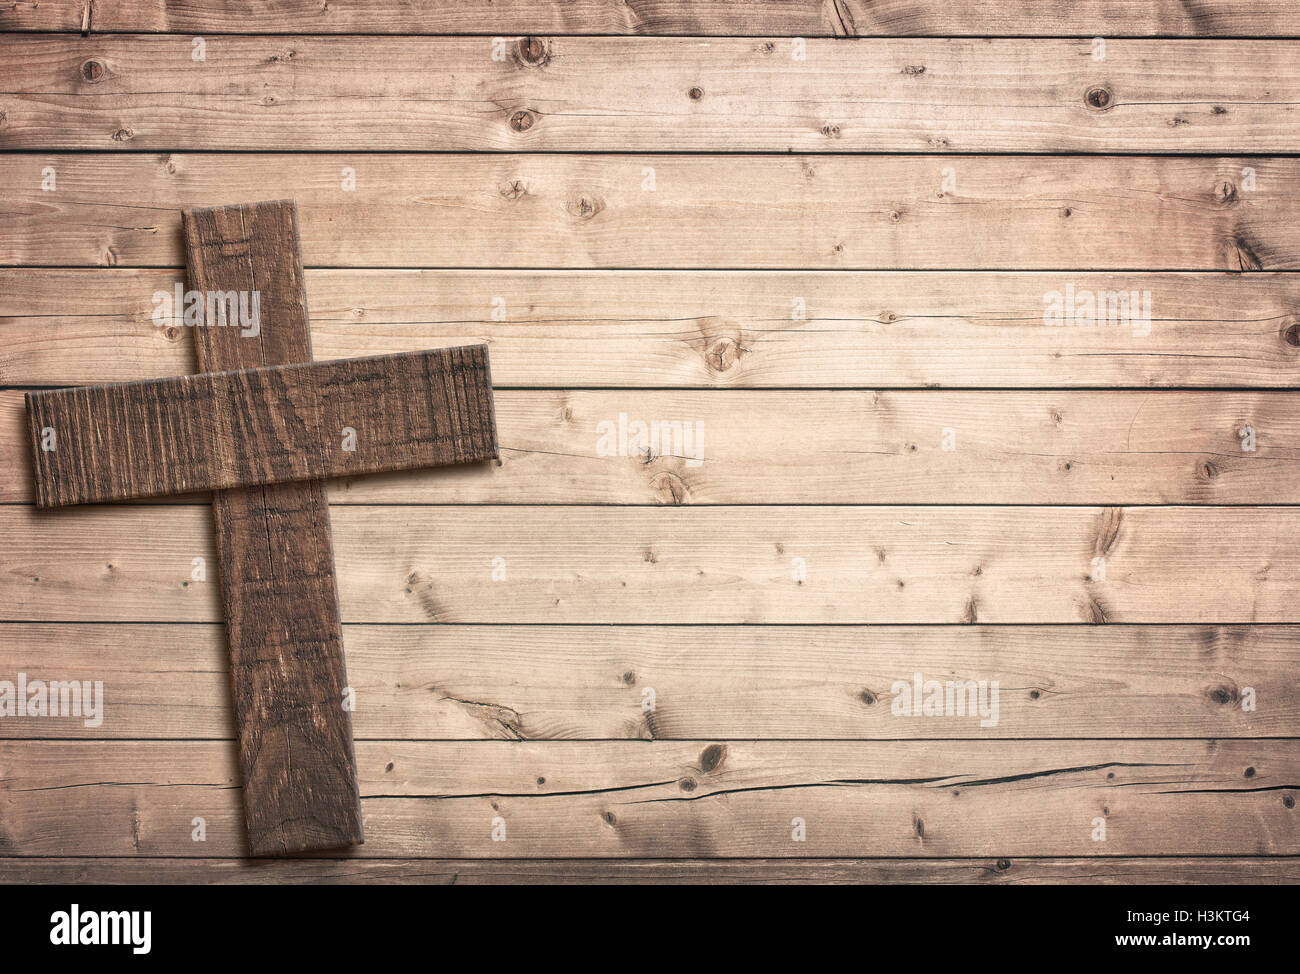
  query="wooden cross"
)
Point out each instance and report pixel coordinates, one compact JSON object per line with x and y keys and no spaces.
{"x":262,"y":426}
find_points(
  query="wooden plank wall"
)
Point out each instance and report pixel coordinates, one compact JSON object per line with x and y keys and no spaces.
{"x":845,"y":259}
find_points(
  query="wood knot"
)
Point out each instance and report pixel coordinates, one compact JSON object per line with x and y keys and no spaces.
{"x":1225,"y":193}
{"x":696,"y":93}
{"x":585,"y":207}
{"x":123,"y":135}
{"x":1291,"y":332}
{"x":669,"y":488}
{"x":914,"y":70}
{"x":172,"y":333}
{"x":722,"y":355}
{"x":1223,"y":696}
{"x":1288,"y":801}
{"x":1002,"y":865}
{"x":868,"y":698}
{"x":895,"y":216}
{"x":831,"y":131}
{"x":93,"y":71}
{"x":711,"y":757}
{"x":1098,"y":98}
{"x":1208,"y":470}
{"x":533,"y":51}
{"x":522,"y":120}
{"x":513,"y":189}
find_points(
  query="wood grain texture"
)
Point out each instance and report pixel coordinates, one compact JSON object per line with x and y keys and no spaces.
{"x":593,"y":93}
{"x":703,"y":565}
{"x":713,"y":329}
{"x":262,"y":426}
{"x":277,"y":564}
{"x":734,"y":447}
{"x":725,"y":682}
{"x":1003,"y":871}
{"x":687,"y":799}
{"x":585,"y":211}
{"x":756,"y":18}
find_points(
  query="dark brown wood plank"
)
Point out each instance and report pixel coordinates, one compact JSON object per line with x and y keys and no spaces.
{"x":277,"y":563}
{"x":261,"y":426}
{"x":735,"y":18}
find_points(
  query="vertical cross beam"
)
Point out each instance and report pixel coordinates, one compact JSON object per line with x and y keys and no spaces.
{"x":277,"y":561}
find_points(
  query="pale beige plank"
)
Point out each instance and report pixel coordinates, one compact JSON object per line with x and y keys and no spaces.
{"x":656,"y":682}
{"x":582,"y":211}
{"x":1120,"y":870}
{"x":843,"y":447}
{"x":686,"y":799}
{"x":594,"y":93}
{"x":715,"y":328}
{"x":807,"y":18}
{"x":693,"y":564}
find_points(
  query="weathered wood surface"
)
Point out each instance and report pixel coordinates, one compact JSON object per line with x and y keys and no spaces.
{"x":729,"y":329}
{"x":755,"y":18}
{"x":1002,"y":871}
{"x":262,"y":426}
{"x":738,"y":447}
{"x":584,"y":211}
{"x":709,"y":565}
{"x":726,"y":682}
{"x":277,"y":581}
{"x":593,"y":93}
{"x":687,"y":799}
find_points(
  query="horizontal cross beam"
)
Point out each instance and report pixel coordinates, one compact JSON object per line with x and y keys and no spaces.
{"x":262,"y":426}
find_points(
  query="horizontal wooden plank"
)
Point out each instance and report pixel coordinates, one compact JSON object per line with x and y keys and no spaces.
{"x":700,"y":328}
{"x":702,"y":565}
{"x":755,"y":18}
{"x":593,"y":93}
{"x":1118,"y":870}
{"x":662,"y":683}
{"x":777,"y":447}
{"x":686,"y":799}
{"x":261,"y":426}
{"x":583,"y":211}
